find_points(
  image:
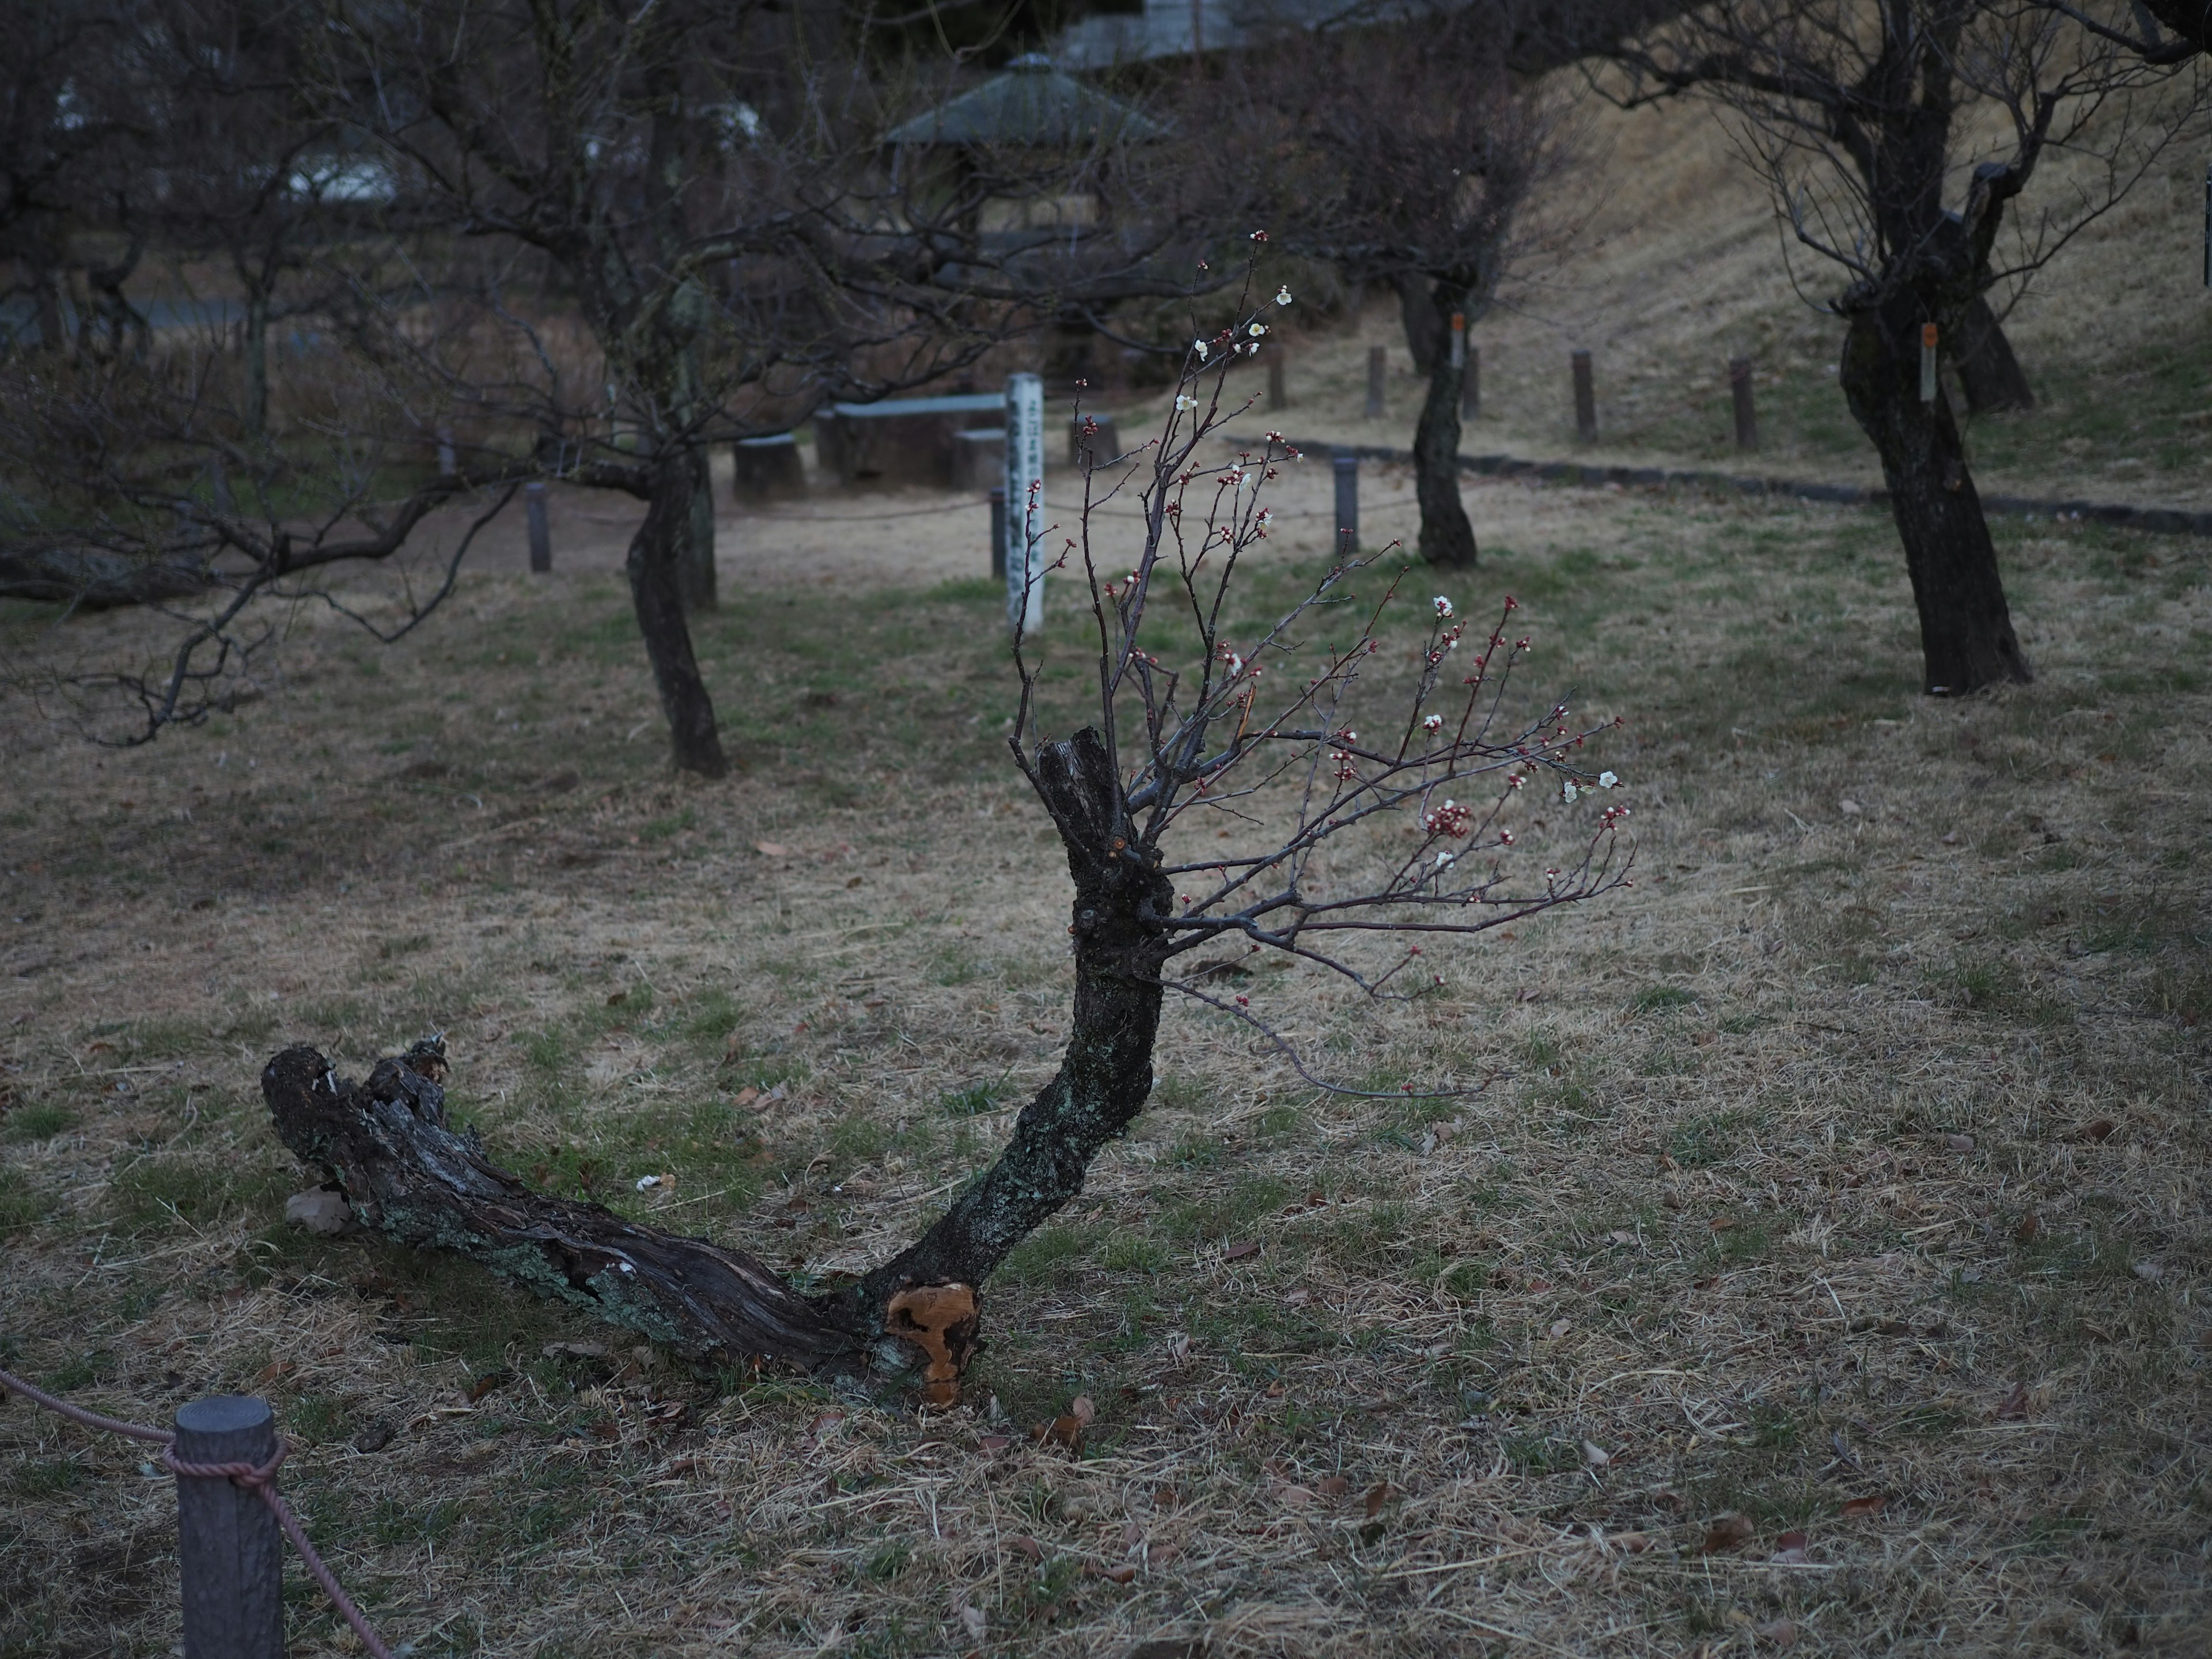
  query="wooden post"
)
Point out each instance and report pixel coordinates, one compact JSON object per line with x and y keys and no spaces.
{"x":230,"y":1559}
{"x":541,"y":538}
{"x":1585,"y":399}
{"x":998,"y":532}
{"x":1470,"y":389}
{"x":1346,"y":468}
{"x":1747,"y":417}
{"x":1277,"y":397}
{"x":1379,"y":369}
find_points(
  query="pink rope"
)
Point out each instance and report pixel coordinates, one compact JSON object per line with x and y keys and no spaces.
{"x":259,"y":1478}
{"x":78,"y":1414}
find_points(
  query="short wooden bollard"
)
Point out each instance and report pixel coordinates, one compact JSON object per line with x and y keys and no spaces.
{"x":1378,"y":370}
{"x":1585,"y":399}
{"x":541,"y":537}
{"x":230,"y":1555}
{"x":1470,"y":387}
{"x":1747,"y":417}
{"x":1346,"y":468}
{"x":1277,"y":397}
{"x":998,"y":532}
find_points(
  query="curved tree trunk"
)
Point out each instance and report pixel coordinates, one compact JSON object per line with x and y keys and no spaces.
{"x":1447,"y":538}
{"x":405,"y":1173}
{"x":1966,"y":637}
{"x":657,"y":555}
{"x":1989,"y":374}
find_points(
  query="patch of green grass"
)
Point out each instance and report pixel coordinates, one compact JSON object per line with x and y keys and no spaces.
{"x":317,"y":1417}
{"x":1708,"y":1137}
{"x":46,"y":1477}
{"x":41,"y":1119}
{"x":974,"y":1101}
{"x":1046,"y":1257}
{"x":1659,"y":998}
{"x":1129,"y":1252}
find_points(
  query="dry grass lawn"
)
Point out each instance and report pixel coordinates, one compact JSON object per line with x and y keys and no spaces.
{"x":1835,"y":1199}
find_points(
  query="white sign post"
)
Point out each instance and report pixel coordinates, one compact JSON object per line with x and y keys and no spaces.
{"x":1024,"y":502}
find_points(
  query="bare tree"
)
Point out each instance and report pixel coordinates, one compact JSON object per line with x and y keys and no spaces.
{"x":1901,"y":138}
{"x":1374,"y":785}
{"x":581,"y":243}
{"x":1410,"y":156}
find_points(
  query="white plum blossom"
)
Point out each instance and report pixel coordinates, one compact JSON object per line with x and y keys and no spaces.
{"x":1443,"y":608}
{"x":1606,"y":780}
{"x":1433,"y":723}
{"x":1568,"y":791}
{"x":1283,"y":294}
{"x":1256,"y":330}
{"x":1198,"y":346}
{"x":1185,"y":402}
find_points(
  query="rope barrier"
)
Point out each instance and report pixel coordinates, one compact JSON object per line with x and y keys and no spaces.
{"x":260,"y":1478}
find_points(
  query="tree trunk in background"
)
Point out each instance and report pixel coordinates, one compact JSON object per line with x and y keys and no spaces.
{"x":1120,"y":901}
{"x":1966,"y":637}
{"x":257,"y":364}
{"x":1990,"y":374}
{"x":1447,"y":538}
{"x":656,"y":589}
{"x":701,"y":586}
{"x":1427,"y":334}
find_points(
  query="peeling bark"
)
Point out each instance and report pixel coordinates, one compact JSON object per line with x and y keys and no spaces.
{"x":406,"y":1175}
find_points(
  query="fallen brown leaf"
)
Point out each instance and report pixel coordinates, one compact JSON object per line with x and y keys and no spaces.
{"x":2100,"y":1130}
{"x":1720,"y":1224}
{"x":1066,"y":1430}
{"x":1960,"y":1143}
{"x":823,"y":1423}
{"x":1861,"y":1509}
{"x":2030,"y":1225}
{"x":1789,"y":1548}
{"x":1022,"y":1544}
{"x":1083,"y":1411}
{"x":486,"y":1383}
{"x":1630,"y":1543}
{"x":1377,"y":1495}
{"x":1238,"y":1252}
{"x":1335,"y":1487}
{"x":771,"y":849}
{"x":1728,"y":1532}
{"x":1781,"y":1632}
{"x":2013,"y":1405}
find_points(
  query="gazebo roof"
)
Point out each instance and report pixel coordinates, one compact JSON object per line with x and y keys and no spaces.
{"x":1031,"y":103}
